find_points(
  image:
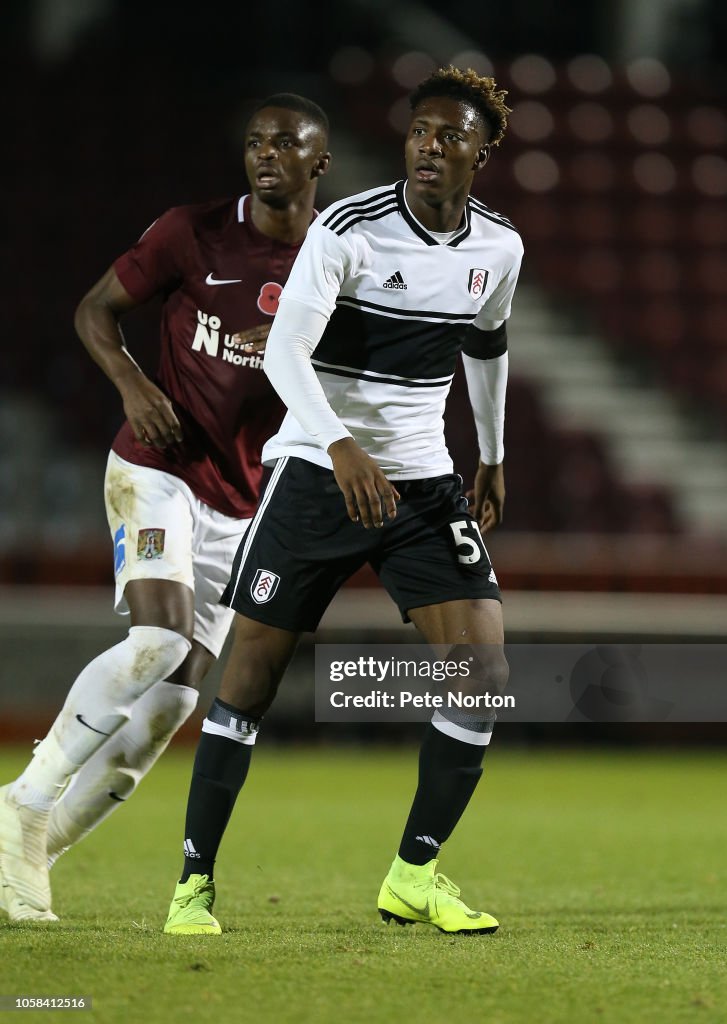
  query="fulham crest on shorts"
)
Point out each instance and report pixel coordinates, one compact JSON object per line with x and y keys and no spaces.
{"x":263,"y":586}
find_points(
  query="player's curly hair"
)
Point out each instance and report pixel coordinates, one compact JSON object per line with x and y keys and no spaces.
{"x":479,"y":91}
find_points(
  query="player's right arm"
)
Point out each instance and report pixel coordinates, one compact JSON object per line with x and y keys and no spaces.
{"x":305,"y":307}
{"x":295,"y":333}
{"x":154,"y":265}
{"x":148,"y":410}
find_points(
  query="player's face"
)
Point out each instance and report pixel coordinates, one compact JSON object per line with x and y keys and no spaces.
{"x":284,"y":154}
{"x":445,"y":145}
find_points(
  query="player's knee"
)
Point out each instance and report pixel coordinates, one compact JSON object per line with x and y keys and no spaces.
{"x":251,"y":693}
{"x":491,"y":672}
{"x":498,"y":673}
{"x":157,"y":652}
{"x":194,"y":668}
{"x":256,"y":666}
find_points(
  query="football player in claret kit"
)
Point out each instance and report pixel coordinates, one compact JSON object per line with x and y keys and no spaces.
{"x":182,"y":484}
{"x":390,"y":285}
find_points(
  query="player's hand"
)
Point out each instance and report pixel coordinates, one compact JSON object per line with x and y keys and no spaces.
{"x":254,"y":339}
{"x":150,"y":413}
{"x":489,"y":496}
{"x":367,"y":492}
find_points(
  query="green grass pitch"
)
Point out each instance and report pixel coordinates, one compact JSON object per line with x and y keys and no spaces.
{"x":607,"y":871}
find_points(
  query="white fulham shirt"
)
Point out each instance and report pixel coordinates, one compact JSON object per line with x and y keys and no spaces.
{"x":384,"y":309}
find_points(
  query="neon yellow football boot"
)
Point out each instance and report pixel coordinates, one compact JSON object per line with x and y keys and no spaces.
{"x":190,"y":912}
{"x":413,"y":894}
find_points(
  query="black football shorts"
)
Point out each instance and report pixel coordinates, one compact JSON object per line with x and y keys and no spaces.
{"x":301,"y":547}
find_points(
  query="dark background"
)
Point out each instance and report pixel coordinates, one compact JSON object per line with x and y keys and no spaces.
{"x":115,"y":111}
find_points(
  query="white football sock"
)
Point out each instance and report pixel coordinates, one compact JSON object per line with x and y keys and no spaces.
{"x":113,"y":773}
{"x":98,"y":703}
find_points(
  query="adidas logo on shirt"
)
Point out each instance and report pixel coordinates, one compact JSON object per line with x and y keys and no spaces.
{"x":395,"y":281}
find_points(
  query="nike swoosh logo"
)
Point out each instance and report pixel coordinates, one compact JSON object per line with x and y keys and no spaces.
{"x":424,"y":911}
{"x":79,"y":718}
{"x":211,"y":279}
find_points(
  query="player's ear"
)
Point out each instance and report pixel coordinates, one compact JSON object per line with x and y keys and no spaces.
{"x":320,"y":167}
{"x":483,"y":155}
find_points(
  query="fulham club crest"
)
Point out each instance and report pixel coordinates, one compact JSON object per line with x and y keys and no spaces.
{"x":263,"y":586}
{"x":477,"y":281}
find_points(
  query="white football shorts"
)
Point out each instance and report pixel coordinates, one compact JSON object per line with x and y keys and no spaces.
{"x":162,"y":531}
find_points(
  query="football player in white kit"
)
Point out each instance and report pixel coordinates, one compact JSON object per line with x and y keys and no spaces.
{"x":389,"y":287}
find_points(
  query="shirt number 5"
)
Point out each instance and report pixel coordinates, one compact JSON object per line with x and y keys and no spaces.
{"x":467,"y":541}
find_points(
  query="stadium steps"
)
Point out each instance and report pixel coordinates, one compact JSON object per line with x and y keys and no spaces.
{"x":648,"y":436}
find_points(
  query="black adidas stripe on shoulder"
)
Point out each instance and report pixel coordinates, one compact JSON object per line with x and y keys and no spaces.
{"x":375,"y":213}
{"x":345,"y":209}
{"x":497,"y":218}
{"x":474,"y":201}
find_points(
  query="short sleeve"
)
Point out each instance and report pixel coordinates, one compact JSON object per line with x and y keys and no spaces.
{"x":499,"y":304}
{"x":153,"y":264}
{"x":322,"y":265}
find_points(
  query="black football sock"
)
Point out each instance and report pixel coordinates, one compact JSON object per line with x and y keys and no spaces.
{"x":220,"y":769}
{"x":449,"y":771}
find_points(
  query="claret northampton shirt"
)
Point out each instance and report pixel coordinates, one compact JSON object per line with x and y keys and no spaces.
{"x":218,"y":275}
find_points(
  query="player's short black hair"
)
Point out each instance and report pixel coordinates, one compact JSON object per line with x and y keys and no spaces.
{"x":292,"y":101}
{"x":478,"y":91}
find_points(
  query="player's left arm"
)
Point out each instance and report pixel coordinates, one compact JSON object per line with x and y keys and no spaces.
{"x":486,"y":366}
